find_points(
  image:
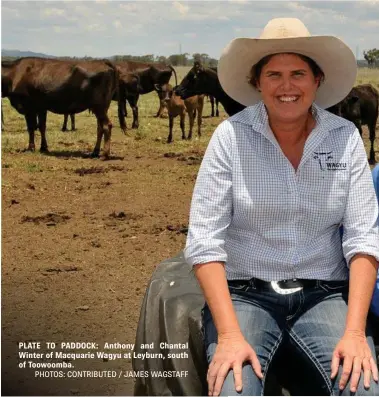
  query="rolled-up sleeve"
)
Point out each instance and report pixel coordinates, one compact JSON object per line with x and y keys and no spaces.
{"x":211,"y":206}
{"x":360,"y":222}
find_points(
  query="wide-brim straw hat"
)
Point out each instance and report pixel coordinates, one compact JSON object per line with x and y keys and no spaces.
{"x":282,"y":35}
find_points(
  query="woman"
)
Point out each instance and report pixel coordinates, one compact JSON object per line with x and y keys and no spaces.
{"x":276,"y":182}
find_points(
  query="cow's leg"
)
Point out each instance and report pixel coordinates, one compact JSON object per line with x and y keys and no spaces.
{"x":2,"y":116}
{"x":371,"y":128}
{"x":217,"y":112}
{"x":170,"y":126}
{"x":161,"y":107}
{"x":191,"y":116}
{"x":199,"y":116}
{"x":96,"y":150}
{"x":104,"y":127}
{"x":212,"y":100}
{"x":133,"y":100}
{"x":65,"y":119}
{"x":182,"y":126}
{"x":125,"y":109}
{"x":121,"y":109}
{"x":359,"y":126}
{"x":31,"y":124}
{"x":72,"y":117}
{"x":42,"y":127}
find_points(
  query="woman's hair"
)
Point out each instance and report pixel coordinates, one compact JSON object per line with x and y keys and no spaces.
{"x":256,"y":70}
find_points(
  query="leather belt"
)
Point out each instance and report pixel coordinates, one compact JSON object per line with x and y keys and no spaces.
{"x":283,"y":287}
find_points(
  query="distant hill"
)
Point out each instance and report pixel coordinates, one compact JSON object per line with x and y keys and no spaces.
{"x":19,"y":54}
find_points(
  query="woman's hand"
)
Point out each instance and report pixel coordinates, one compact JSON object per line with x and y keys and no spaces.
{"x":231,"y":352}
{"x":353,"y":349}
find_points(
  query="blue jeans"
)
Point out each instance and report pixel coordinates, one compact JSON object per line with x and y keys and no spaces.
{"x":310,"y":321}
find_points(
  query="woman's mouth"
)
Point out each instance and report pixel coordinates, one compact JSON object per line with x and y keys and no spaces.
{"x":288,"y":98}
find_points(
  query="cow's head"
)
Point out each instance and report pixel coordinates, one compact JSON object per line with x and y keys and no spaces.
{"x":194,"y":83}
{"x":165,"y":91}
{"x":349,"y":108}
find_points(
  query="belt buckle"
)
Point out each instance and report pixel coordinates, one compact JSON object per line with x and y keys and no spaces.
{"x":284,"y":291}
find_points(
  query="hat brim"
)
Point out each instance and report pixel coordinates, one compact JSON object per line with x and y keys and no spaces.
{"x":332,"y":55}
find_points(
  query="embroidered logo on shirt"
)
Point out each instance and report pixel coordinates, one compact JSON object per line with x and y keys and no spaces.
{"x":325,"y":161}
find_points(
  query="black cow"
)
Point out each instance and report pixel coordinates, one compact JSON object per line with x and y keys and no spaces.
{"x":38,"y":85}
{"x":361,"y":107}
{"x":150,"y":74}
{"x":129,"y":87}
{"x":201,"y":80}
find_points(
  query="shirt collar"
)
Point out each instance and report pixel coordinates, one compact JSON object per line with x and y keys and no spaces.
{"x":256,"y":116}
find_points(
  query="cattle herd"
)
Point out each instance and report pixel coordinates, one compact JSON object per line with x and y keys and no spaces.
{"x":35,"y":86}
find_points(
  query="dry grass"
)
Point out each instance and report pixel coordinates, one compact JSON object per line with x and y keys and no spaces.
{"x":152,"y":131}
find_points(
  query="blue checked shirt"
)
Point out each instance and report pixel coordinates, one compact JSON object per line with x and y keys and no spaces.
{"x":253,"y":211}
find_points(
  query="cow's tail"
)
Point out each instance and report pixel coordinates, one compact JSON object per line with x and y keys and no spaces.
{"x":176,"y":79}
{"x":117,"y":93}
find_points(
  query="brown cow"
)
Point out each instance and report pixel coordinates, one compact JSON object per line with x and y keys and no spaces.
{"x":38,"y":85}
{"x":177,"y":107}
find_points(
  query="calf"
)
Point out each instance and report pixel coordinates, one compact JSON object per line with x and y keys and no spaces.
{"x":178,"y":107}
{"x":361,"y":107}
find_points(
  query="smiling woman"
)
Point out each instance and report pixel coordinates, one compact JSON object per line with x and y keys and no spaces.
{"x":266,"y":211}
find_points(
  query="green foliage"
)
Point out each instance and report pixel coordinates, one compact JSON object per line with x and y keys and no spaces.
{"x":372,"y":57}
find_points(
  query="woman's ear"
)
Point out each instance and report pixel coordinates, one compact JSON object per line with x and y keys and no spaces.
{"x":257,"y":87}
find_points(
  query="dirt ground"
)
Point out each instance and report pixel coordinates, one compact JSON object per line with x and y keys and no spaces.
{"x":81,"y":238}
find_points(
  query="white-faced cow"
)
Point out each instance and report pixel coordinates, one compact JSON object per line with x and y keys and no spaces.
{"x":39,"y":85}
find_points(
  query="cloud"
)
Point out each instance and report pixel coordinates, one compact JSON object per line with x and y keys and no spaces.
{"x":53,"y":12}
{"x":183,"y":9}
{"x":340,"y":18}
{"x":373,"y":23}
{"x":10,"y":12}
{"x":117,"y":24}
{"x":96,"y":27}
{"x":104,"y":28}
{"x":170,"y":44}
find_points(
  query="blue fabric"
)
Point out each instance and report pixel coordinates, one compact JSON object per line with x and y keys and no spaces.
{"x":313,"y":320}
{"x":375,"y":298}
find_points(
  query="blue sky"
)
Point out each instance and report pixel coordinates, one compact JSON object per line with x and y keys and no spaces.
{"x":102,"y":28}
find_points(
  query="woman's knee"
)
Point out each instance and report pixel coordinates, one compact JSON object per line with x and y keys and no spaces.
{"x":251,"y":384}
{"x":373,"y":390}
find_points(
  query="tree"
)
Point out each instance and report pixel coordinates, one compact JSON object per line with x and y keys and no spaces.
{"x":161,"y":59}
{"x":372,"y":57}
